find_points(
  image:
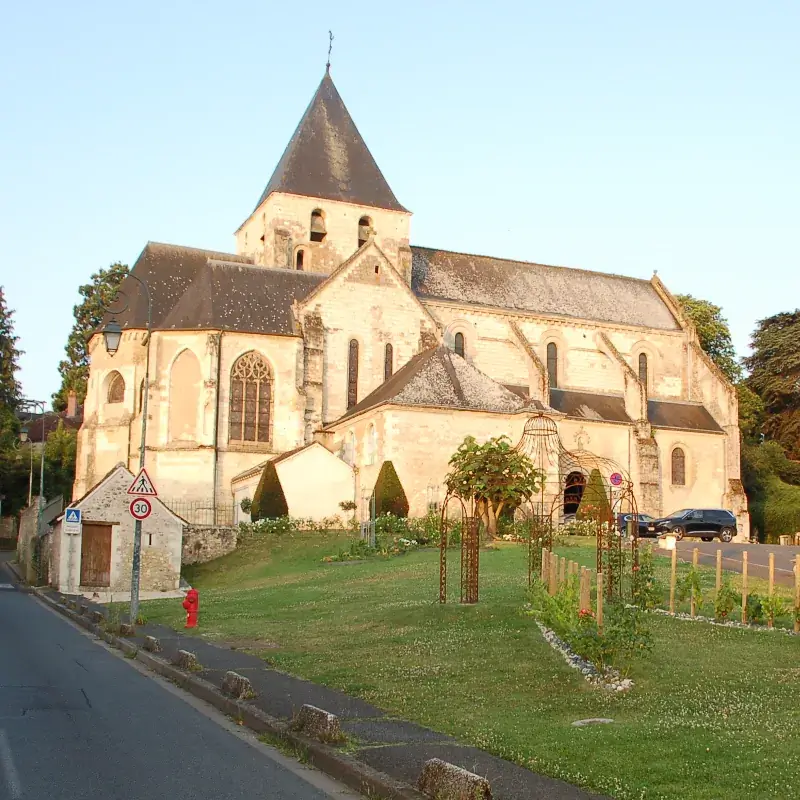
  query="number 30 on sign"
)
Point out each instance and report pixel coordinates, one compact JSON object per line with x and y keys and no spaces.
{"x":140,"y":508}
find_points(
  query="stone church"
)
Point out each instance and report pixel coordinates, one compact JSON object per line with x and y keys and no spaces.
{"x":329,"y":343}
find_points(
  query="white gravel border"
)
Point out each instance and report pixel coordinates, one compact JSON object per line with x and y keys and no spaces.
{"x":682,"y":615}
{"x":610,"y":679}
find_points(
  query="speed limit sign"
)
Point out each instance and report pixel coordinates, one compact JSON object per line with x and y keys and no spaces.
{"x":140,"y":508}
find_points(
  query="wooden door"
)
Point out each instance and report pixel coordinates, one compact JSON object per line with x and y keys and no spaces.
{"x":96,"y":555}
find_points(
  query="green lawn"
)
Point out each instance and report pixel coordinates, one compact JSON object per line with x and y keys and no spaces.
{"x":715,"y":713}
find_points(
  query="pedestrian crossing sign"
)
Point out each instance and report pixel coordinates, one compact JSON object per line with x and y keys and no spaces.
{"x":72,"y":521}
{"x":142,"y":485}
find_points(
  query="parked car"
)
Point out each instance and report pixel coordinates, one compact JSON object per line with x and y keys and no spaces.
{"x":645,"y":520}
{"x":705,"y":523}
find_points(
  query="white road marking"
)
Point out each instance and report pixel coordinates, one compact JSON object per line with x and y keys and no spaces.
{"x":6,"y":585}
{"x":10,"y":771}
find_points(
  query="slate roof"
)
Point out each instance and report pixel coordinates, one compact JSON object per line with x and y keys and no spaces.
{"x":588,"y":405}
{"x":686,"y":416}
{"x":206,"y":290}
{"x":440,"y":378}
{"x":327,"y":157}
{"x":538,"y":288}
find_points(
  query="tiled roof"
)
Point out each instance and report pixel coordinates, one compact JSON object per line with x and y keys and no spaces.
{"x":327,"y":158}
{"x":538,"y":289}
{"x":206,"y":290}
{"x":588,"y":405}
{"x":686,"y":416}
{"x":440,"y":378}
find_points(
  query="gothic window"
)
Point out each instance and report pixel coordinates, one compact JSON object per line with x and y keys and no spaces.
{"x":552,"y":365}
{"x":388,"y":359}
{"x":317,"y":226}
{"x":116,"y":388}
{"x":371,"y":445}
{"x":458,"y":344}
{"x":678,"y":467}
{"x":350,"y":448}
{"x":352,"y":374}
{"x":251,"y":394}
{"x":643,"y":368}
{"x":299,"y":258}
{"x":364,"y":228}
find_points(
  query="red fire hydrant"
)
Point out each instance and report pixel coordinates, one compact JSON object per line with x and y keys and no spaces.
{"x":192,"y":606}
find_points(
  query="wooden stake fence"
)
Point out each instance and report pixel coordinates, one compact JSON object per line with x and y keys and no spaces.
{"x":744,"y":587}
{"x":600,"y":601}
{"x":719,"y":570}
{"x":797,"y":594}
{"x":586,"y":590}
{"x":672,"y":580}
{"x":562,"y":570}
{"x":695,"y":555}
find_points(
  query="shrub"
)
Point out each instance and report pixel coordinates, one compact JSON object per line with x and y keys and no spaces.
{"x":594,"y":503}
{"x":645,"y":589}
{"x":726,"y":600}
{"x":689,"y":587}
{"x":246,"y":505}
{"x":754,"y":610}
{"x":388,"y":492}
{"x":269,"y":501}
{"x":774,"y":606}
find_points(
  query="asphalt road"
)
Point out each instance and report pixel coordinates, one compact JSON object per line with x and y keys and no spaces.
{"x":78,"y":721}
{"x":757,"y":558}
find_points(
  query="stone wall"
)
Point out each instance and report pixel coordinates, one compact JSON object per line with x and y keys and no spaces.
{"x":202,"y":543}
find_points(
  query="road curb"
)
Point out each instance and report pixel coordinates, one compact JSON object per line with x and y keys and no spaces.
{"x":338,"y":765}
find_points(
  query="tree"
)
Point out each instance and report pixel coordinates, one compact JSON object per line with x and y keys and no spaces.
{"x":713,"y":333}
{"x":74,"y":369}
{"x":390,"y":497}
{"x":751,"y":412}
{"x":9,"y":355}
{"x":775,"y":377}
{"x":494,"y":476}
{"x":595,"y":504}
{"x":269,"y":501}
{"x":60,"y":451}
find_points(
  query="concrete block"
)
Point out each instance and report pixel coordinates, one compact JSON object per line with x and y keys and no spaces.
{"x":237,"y":686}
{"x":445,"y":781}
{"x":126,"y":629}
{"x":187,"y":660}
{"x":318,"y":724}
{"x":96,"y":617}
{"x":151,"y":644}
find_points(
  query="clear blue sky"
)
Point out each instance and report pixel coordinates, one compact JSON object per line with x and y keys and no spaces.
{"x":621,"y":137}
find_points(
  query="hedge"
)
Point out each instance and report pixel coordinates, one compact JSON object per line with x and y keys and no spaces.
{"x":269,"y":500}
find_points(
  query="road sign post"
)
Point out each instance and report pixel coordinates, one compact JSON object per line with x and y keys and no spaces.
{"x":72,"y":522}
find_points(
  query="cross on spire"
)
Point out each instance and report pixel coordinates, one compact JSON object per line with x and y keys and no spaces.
{"x":330,"y":47}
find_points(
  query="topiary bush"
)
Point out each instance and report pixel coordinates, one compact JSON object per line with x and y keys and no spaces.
{"x":388,"y":492}
{"x":269,"y":501}
{"x":594,"y":503}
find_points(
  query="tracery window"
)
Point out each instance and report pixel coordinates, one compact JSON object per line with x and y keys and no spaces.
{"x":643,"y":368}
{"x":678,"y":467}
{"x":251,"y":395}
{"x":116,"y":388}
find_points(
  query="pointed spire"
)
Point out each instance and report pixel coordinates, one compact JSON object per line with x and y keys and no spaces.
{"x":327,"y":158}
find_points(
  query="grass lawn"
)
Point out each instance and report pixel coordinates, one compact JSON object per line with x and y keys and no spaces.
{"x":715,"y":713}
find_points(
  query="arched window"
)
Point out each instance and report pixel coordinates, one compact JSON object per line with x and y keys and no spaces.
{"x":458,"y":344}
{"x":251,"y":395}
{"x":678,"y":467}
{"x":299,"y":258}
{"x":364,"y":230}
{"x":116,"y":388}
{"x":350,"y":448}
{"x":317,"y":226}
{"x":388,"y":362}
{"x":552,"y":365}
{"x":643,"y":368}
{"x":352,"y":374}
{"x":371,"y":445}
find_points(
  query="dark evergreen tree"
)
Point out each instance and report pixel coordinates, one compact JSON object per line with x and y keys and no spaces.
{"x":269,"y":500}
{"x":74,"y":369}
{"x":595,"y":504}
{"x":9,"y":356}
{"x":390,"y":498}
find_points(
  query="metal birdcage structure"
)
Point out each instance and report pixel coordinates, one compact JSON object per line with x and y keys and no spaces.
{"x":567,"y":477}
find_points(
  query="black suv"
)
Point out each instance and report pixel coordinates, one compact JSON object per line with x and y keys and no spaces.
{"x":705,"y":523}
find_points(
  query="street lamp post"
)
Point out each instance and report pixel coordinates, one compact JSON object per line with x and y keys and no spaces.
{"x":112,"y":335}
{"x":32,"y":407}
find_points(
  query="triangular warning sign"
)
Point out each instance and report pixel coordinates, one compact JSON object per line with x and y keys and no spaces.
{"x":142,"y":485}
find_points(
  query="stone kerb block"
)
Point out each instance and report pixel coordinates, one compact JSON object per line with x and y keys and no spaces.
{"x":237,"y":686}
{"x":318,"y":724}
{"x":151,"y":644}
{"x":126,"y":629}
{"x":187,"y":660}
{"x":445,"y":781}
{"x":96,"y":616}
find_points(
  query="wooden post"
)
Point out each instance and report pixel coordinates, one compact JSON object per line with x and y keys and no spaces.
{"x":600,"y":601}
{"x":693,"y":604}
{"x":771,"y":574}
{"x":562,"y":571}
{"x":672,"y":581}
{"x":797,"y":594}
{"x":545,"y":566}
{"x":553,"y":574}
{"x":744,"y":587}
{"x":586,"y":589}
{"x":719,"y":570}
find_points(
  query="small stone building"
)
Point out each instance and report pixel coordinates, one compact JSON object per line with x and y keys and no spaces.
{"x":99,"y":559}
